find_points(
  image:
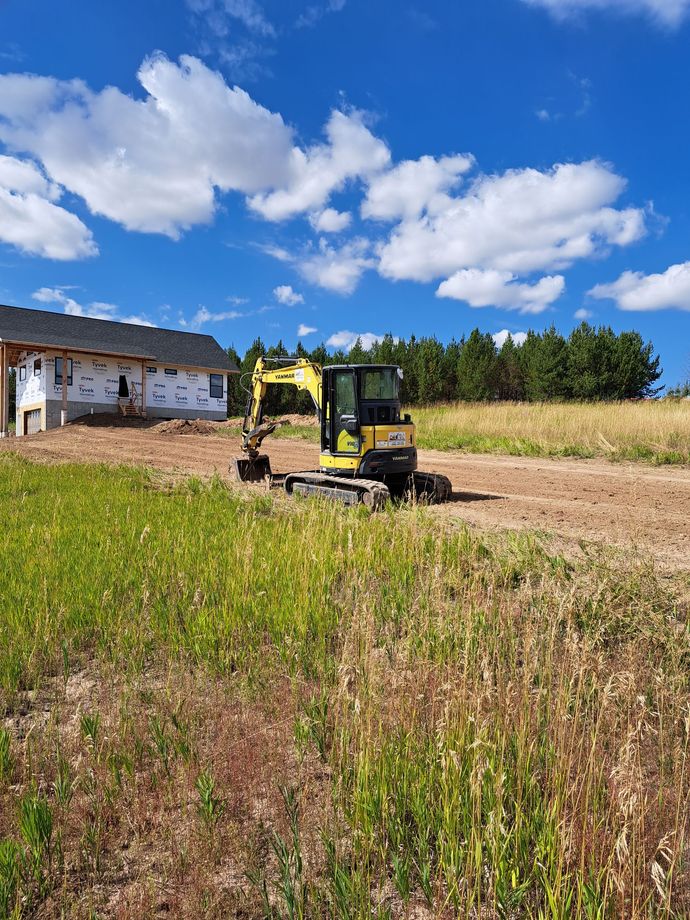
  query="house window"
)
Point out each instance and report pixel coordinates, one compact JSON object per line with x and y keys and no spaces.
{"x":22,"y":372}
{"x":37,"y":367}
{"x":58,"y":372}
{"x":170,"y":372}
{"x":151,"y":370}
{"x":216,"y":386}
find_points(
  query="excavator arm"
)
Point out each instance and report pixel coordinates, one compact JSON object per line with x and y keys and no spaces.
{"x":305,"y":375}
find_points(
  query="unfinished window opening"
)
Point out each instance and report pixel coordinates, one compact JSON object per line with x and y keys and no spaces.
{"x":216,"y":386}
{"x":58,"y":372}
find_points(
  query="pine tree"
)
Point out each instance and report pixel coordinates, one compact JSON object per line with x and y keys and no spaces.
{"x":477,"y":367}
{"x":510,"y":379}
{"x":237,"y":398}
{"x":544,"y":362}
{"x":636,"y":368}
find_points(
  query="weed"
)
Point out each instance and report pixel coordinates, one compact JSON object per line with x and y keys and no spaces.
{"x":36,"y":828}
{"x":210,"y":807}
{"x":6,"y":759}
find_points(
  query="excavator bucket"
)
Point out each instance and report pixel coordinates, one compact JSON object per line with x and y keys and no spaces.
{"x":252,"y":469}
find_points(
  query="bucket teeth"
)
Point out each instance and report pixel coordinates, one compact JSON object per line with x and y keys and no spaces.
{"x":252,"y":469}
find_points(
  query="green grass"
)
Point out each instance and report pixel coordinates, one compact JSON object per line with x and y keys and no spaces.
{"x":473,"y":723}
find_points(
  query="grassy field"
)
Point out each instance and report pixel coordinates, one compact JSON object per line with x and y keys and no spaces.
{"x":656,"y":431}
{"x":222,"y":706}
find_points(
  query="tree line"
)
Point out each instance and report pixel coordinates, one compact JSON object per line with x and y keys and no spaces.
{"x":589,"y":365}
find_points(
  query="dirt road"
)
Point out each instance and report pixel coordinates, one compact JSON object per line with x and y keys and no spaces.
{"x":622,"y":504}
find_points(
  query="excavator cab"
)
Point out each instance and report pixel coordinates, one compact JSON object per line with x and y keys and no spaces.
{"x":362,"y":430}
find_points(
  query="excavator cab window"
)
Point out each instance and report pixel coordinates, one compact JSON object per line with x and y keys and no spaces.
{"x":380,"y":383}
{"x":380,"y":395}
{"x":345,"y":417}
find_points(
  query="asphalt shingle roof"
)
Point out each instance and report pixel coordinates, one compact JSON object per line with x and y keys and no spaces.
{"x":41,"y":328}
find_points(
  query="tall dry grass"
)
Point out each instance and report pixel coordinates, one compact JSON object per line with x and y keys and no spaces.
{"x":655,"y":430}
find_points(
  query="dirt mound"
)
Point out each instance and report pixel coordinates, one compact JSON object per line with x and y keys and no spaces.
{"x":304,"y":421}
{"x":185,"y":426}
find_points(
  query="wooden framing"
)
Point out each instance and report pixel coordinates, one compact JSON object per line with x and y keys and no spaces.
{"x":65,"y":378}
{"x":4,"y":393}
{"x":143,"y":389}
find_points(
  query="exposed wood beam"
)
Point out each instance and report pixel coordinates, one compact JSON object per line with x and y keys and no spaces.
{"x":4,"y":394}
{"x":143,"y":388}
{"x":63,"y":414}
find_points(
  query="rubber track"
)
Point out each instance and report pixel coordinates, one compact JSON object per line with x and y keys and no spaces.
{"x":434,"y":486}
{"x":377,"y":490}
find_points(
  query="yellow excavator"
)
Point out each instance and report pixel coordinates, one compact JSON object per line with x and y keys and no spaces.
{"x":368,"y":451}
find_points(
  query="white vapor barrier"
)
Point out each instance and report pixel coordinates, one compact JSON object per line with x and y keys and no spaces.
{"x":31,"y":380}
{"x":96,"y":379}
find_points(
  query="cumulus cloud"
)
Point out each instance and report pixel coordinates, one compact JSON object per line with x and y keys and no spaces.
{"x":347,"y":340}
{"x":340,"y":269}
{"x":639,"y":292}
{"x":303,"y":330}
{"x":522,"y":221}
{"x":500,"y":338}
{"x":160,"y":163}
{"x":285,"y":294}
{"x":351,"y":152}
{"x":583,"y":314}
{"x":492,"y":288}
{"x":203,"y":315}
{"x":95,"y":310}
{"x":666,"y":12}
{"x":413,"y":186}
{"x":330,"y":221}
{"x":151,"y":164}
{"x":31,"y":220}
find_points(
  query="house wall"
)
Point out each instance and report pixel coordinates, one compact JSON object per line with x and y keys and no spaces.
{"x":172,"y":391}
{"x":31,"y":391}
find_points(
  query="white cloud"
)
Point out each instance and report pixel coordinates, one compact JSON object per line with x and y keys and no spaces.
{"x":95,"y":310}
{"x":316,"y":12}
{"x":413,"y":186}
{"x":351,"y":152}
{"x":522,"y":221}
{"x":337,"y":270}
{"x":492,"y":288}
{"x":583,"y":314}
{"x":248,"y":12}
{"x":638,"y":292}
{"x":152,"y":164}
{"x":347,"y":340}
{"x":500,"y":338}
{"x":285,"y":294}
{"x":31,"y":221}
{"x":666,"y":12}
{"x":303,"y":330}
{"x":204,"y":315}
{"x":330,"y":221}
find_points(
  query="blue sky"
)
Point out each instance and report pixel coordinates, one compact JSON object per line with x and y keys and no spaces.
{"x":350,"y":166}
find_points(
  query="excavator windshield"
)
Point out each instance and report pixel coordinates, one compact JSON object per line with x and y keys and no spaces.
{"x":380,"y":383}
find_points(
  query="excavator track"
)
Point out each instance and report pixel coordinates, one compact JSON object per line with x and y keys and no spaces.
{"x":370,"y":493}
{"x":431,"y":488}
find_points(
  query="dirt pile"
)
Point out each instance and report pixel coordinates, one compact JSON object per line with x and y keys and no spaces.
{"x":303,"y":421}
{"x":185,"y":426}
